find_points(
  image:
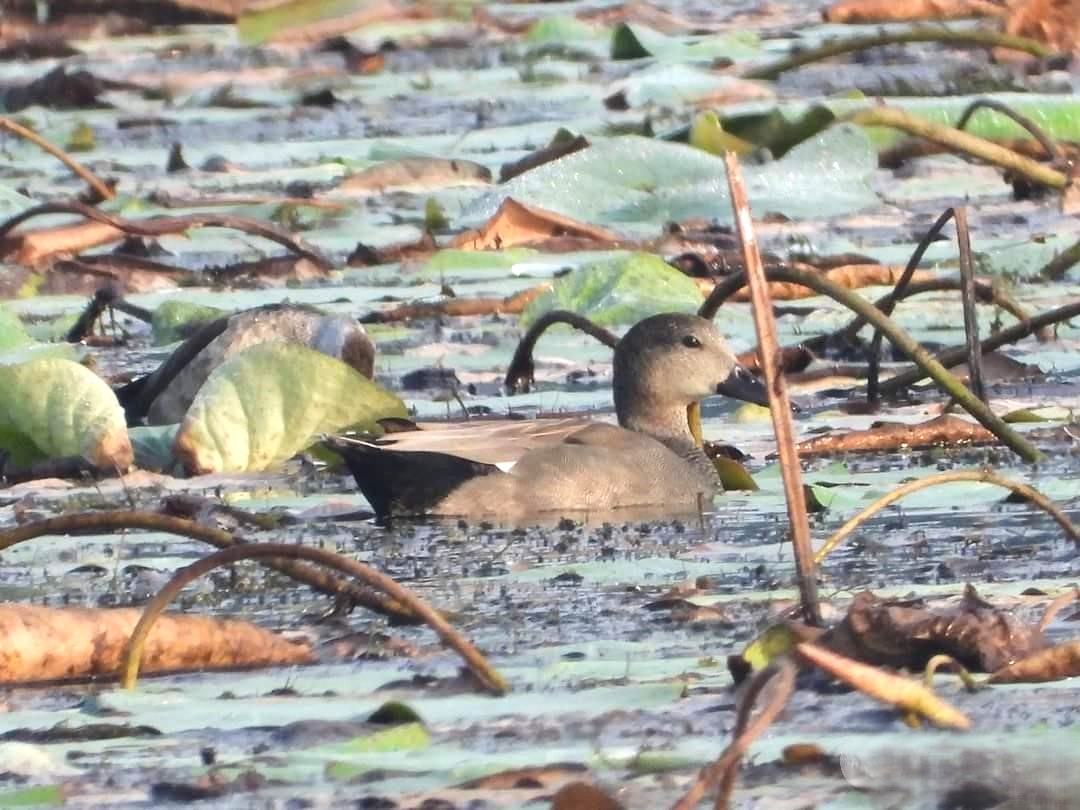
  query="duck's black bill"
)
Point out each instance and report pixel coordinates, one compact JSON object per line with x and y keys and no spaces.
{"x":742,"y":384}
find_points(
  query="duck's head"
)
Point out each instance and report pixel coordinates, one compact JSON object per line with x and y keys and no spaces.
{"x":670,"y":361}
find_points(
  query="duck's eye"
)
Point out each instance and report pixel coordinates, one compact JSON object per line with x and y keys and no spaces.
{"x":691,"y":342}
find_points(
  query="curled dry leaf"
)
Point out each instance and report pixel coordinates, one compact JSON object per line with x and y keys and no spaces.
{"x":414,"y":175}
{"x":875,"y":11}
{"x":519,"y":224}
{"x":1051,"y":664}
{"x":851,"y":277}
{"x":904,"y":634}
{"x":1055,"y":22}
{"x":941,"y":430}
{"x":40,"y":643}
{"x":895,"y":690}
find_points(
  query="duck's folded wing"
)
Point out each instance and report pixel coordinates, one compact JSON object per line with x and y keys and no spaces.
{"x":405,"y":483}
{"x":499,"y":442}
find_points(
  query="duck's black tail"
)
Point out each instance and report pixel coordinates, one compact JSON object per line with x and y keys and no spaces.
{"x":400,"y":483}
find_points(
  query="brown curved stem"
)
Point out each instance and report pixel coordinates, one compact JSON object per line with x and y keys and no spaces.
{"x":981,"y":476}
{"x":1053,"y":151}
{"x":724,"y":769}
{"x":114,"y":520}
{"x":979,"y":37}
{"x":1055,"y":607}
{"x":84,"y":174}
{"x":873,"y":353}
{"x":520,"y":374}
{"x":478,"y":665}
{"x":928,"y":365}
{"x":159,"y":226}
{"x":956,"y":354}
{"x":967,"y":297}
{"x":961,"y":143}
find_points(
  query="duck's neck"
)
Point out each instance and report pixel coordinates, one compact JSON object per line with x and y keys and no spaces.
{"x":667,"y":423}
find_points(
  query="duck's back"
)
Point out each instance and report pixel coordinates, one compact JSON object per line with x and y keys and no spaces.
{"x":598,"y":468}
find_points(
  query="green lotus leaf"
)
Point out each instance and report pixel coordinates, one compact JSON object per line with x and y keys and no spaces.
{"x":174,"y":320}
{"x":54,"y":407}
{"x":271,"y":401}
{"x":12,"y":331}
{"x":619,"y":291}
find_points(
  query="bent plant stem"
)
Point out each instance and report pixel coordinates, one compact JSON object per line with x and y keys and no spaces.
{"x":1018,"y":331}
{"x":922,"y":33}
{"x":519,"y":375}
{"x":887,"y":304}
{"x":723,"y":771}
{"x":84,"y":174}
{"x":980,"y":476}
{"x":1058,"y":266}
{"x":478,"y":665}
{"x":1053,"y":151}
{"x":779,"y":402}
{"x":114,"y":520}
{"x":967,"y":297}
{"x":960,"y":142}
{"x":160,"y":226}
{"x":928,"y":365}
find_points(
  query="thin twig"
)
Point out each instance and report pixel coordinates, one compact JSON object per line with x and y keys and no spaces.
{"x":887,"y":304}
{"x":955,"y":355}
{"x":96,"y":184}
{"x":779,"y":402}
{"x":116,"y":519}
{"x":927,"y":363}
{"x":1053,"y":151}
{"x":1058,"y":266}
{"x":981,"y":476}
{"x":372,"y":578}
{"x":967,"y":297}
{"x":979,"y":37}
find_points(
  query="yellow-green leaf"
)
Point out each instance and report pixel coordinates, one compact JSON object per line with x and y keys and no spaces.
{"x":271,"y":401}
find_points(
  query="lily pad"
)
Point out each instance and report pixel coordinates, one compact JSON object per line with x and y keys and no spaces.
{"x":173,"y":319}
{"x":630,"y":41}
{"x":271,"y":401}
{"x":12,"y":332}
{"x":620,"y":291}
{"x":637,"y":180}
{"x":53,"y":407}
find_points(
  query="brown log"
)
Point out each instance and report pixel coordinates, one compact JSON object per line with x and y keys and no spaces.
{"x":46,"y":644}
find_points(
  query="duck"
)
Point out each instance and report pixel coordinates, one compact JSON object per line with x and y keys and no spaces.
{"x":663,"y":365}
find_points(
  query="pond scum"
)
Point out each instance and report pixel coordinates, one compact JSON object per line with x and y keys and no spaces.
{"x":168,"y":383}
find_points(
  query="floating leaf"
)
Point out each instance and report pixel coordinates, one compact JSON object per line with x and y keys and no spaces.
{"x":174,"y":319}
{"x":53,"y":408}
{"x":268,"y":403}
{"x":733,"y":475}
{"x":707,"y":134}
{"x":622,"y":290}
{"x":632,"y":41}
{"x":153,"y":446}
{"x":12,"y":331}
{"x":630,"y":179}
{"x":775,"y":131}
{"x":81,"y":139}
{"x":39,"y":796}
